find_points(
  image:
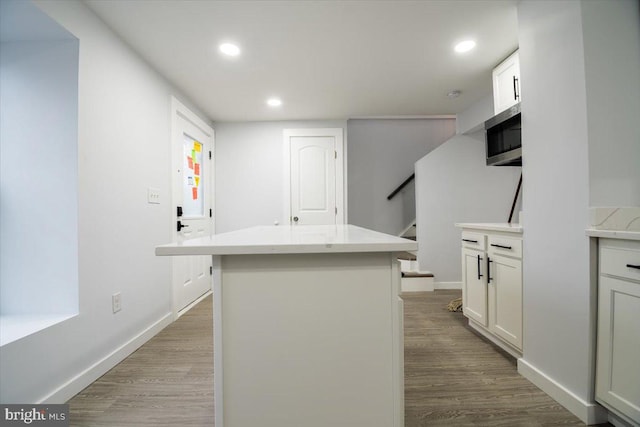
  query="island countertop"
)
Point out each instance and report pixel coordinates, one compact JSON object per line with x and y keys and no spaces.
{"x":295,"y":239}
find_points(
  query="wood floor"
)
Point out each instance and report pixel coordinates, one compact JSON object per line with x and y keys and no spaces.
{"x":452,"y":377}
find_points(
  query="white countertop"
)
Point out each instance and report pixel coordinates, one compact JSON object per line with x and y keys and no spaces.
{"x":285,"y":239}
{"x":492,"y":226}
{"x":614,"y":234}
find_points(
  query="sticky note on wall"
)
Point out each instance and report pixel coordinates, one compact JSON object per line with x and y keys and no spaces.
{"x":197,"y":146}
{"x":190,"y":162}
{"x":196,"y":168}
{"x":194,"y":193}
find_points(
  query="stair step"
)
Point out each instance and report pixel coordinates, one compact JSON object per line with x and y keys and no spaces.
{"x":410,"y":274}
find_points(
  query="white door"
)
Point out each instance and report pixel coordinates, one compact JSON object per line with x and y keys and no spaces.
{"x":192,"y":145}
{"x":314,"y":182}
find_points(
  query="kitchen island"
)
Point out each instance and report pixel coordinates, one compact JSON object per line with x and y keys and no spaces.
{"x":307,"y":326}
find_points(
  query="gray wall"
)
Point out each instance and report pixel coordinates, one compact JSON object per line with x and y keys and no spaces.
{"x":579,"y":148}
{"x":454,"y":184}
{"x":381,"y":155}
{"x":249,"y":171}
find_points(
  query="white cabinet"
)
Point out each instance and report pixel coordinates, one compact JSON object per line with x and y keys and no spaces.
{"x":618,"y":340}
{"x":492,"y":285}
{"x":506,"y":83}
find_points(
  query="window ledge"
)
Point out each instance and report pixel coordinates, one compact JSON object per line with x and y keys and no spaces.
{"x":16,"y":326}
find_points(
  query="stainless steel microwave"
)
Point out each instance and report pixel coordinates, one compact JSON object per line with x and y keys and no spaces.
{"x":504,"y":138}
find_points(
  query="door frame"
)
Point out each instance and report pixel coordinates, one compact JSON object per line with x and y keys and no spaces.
{"x":179,"y":110}
{"x":337,"y":133}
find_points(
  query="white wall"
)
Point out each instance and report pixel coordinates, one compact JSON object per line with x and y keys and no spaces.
{"x":472,"y":119}
{"x":123,"y":147}
{"x":454,"y":184}
{"x":249,"y":171}
{"x":382,"y":154}
{"x":579,"y":68}
{"x":39,"y":170}
{"x":612,"y":66}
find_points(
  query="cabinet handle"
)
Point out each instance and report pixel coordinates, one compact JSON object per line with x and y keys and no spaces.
{"x":479,"y":259}
{"x":470,"y":241}
{"x":516,"y":95}
{"x":633,"y":266}
{"x":500,"y":246}
{"x":489,"y":270}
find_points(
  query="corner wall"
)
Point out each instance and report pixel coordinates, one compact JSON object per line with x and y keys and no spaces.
{"x":579,"y":64}
{"x":453,"y":185}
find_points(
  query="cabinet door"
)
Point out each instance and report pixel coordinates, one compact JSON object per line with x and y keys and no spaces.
{"x":474,"y":286}
{"x":618,"y":376}
{"x":505,"y":299}
{"x":506,"y":83}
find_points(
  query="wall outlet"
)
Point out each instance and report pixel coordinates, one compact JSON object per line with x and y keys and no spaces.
{"x":116,"y":302}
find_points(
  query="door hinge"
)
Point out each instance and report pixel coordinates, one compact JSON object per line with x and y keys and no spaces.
{"x":335,"y":154}
{"x":210,"y":213}
{"x":210,"y":270}
{"x":209,"y":155}
{"x":336,"y":210}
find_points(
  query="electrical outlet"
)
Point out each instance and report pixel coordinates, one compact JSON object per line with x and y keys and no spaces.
{"x":116,"y":302}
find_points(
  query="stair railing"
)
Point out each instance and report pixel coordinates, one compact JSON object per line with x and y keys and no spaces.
{"x":401,"y":186}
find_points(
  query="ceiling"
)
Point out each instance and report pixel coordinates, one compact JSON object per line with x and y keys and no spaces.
{"x":324,"y":59}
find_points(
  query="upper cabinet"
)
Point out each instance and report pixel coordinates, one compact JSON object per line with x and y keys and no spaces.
{"x":506,"y":83}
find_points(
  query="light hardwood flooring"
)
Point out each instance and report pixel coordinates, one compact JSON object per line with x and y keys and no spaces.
{"x":452,"y":377}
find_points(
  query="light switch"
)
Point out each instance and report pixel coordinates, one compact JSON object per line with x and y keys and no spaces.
{"x":153,"y":195}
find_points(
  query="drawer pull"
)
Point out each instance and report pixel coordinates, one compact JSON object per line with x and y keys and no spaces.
{"x":470,"y":241}
{"x":633,"y":266}
{"x":500,"y":246}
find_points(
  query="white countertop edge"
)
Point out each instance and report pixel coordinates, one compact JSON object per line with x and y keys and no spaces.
{"x":284,"y":249}
{"x":506,"y":227}
{"x":290,"y":240}
{"x":613,"y":234}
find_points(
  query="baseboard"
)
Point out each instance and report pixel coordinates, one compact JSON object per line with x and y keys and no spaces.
{"x":588,"y":412}
{"x":191,"y":305}
{"x":447,"y":285}
{"x":74,"y":386}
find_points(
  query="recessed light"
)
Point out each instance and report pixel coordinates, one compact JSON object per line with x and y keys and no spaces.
{"x":229,"y":49}
{"x":454,"y":94}
{"x":274,"y":102}
{"x":465,"y":46}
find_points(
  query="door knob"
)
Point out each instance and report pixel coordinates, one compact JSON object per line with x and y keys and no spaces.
{"x":295,"y":219}
{"x":180,"y":226}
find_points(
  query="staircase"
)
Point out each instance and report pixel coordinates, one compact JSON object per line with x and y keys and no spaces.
{"x":413,"y":279}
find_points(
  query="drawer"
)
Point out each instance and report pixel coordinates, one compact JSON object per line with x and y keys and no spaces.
{"x":621,"y":259}
{"x":508,"y":246}
{"x":473,"y":240}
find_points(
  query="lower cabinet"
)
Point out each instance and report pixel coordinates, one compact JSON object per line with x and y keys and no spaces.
{"x":618,"y":339}
{"x":492,"y":285}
